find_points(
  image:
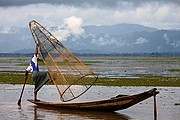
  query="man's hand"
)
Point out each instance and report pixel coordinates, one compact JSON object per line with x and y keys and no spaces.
{"x":51,"y":79}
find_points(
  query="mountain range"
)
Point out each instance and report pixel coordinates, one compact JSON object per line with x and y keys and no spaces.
{"x":120,"y":38}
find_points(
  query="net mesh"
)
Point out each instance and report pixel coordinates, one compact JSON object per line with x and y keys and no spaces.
{"x":66,"y":69}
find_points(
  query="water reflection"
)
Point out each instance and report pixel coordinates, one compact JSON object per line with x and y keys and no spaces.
{"x":50,"y":113}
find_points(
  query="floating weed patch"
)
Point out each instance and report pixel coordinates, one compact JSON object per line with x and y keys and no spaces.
{"x":9,"y":78}
{"x":15,"y":78}
{"x":174,"y":70}
{"x":141,"y":80}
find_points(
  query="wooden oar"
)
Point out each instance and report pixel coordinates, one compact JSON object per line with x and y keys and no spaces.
{"x":19,"y":101}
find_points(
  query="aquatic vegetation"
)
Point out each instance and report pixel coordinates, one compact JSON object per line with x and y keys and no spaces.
{"x":141,"y":80}
{"x":112,"y":71}
{"x":174,"y":70}
{"x":146,"y":80}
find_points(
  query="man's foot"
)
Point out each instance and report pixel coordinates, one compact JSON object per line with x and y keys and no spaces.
{"x":36,"y":100}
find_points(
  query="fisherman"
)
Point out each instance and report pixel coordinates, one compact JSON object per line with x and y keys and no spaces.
{"x":39,"y":78}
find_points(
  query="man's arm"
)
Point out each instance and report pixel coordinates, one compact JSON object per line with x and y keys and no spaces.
{"x":36,"y":51}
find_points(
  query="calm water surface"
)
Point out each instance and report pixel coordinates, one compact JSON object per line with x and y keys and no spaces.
{"x":105,"y":67}
{"x":166,"y":100}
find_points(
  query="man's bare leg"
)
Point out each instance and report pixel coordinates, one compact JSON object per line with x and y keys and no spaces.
{"x":35,"y":96}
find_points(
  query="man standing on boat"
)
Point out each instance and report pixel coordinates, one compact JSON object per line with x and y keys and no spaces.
{"x":39,"y":78}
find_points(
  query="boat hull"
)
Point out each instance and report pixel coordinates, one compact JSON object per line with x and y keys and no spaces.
{"x":112,"y":104}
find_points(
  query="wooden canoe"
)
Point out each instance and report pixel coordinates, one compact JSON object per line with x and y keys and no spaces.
{"x":112,"y":104}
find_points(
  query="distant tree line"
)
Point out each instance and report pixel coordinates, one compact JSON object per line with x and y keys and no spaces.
{"x":154,"y":54}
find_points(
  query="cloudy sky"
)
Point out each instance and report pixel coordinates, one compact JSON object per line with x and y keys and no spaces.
{"x":161,"y":14}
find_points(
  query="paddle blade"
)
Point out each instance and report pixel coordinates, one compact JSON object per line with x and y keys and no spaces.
{"x":19,"y":104}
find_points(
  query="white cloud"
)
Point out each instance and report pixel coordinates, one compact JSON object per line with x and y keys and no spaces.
{"x":151,"y":14}
{"x":104,"y":40}
{"x":174,"y":43}
{"x":71,"y":26}
{"x":74,"y":25}
{"x":141,"y":40}
{"x":5,"y":30}
{"x":162,"y":12}
{"x":166,"y":38}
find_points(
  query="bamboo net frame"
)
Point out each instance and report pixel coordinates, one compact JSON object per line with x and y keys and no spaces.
{"x":66,"y":69}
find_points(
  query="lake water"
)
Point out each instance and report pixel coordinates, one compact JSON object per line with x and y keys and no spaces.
{"x":167,"y":101}
{"x":111,"y":67}
{"x":168,"y":107}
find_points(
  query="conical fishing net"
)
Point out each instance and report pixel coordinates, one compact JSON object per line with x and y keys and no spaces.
{"x":71,"y":77}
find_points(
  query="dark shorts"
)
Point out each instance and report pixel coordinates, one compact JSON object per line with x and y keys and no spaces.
{"x":39,"y":79}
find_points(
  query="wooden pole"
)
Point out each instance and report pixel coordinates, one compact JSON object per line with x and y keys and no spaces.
{"x":155,"y":109}
{"x":19,"y":101}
